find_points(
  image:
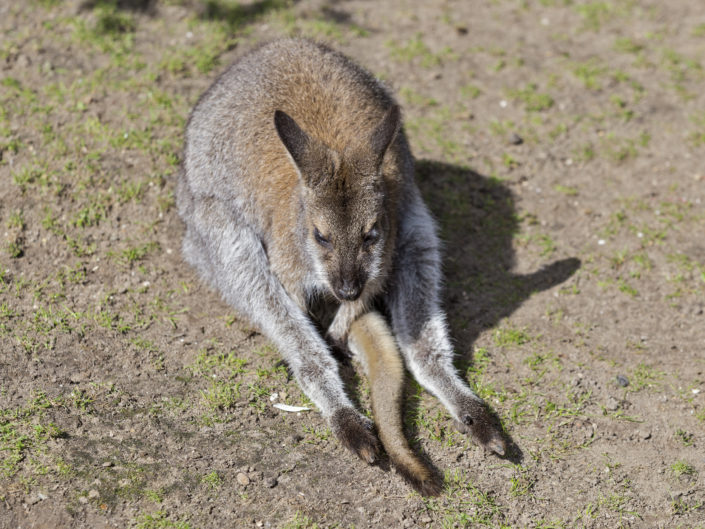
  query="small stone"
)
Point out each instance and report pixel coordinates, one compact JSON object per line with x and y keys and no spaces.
{"x":82,"y":499}
{"x":295,"y":439}
{"x":425,"y":519}
{"x":23,"y":61}
{"x":270,"y":482}
{"x":612,"y":404}
{"x":108,"y":464}
{"x":92,"y":494}
{"x":242,"y":479}
{"x":515,"y":139}
{"x":622,"y":381}
{"x":645,"y":434}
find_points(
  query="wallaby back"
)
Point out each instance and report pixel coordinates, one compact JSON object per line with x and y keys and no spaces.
{"x":371,"y":340}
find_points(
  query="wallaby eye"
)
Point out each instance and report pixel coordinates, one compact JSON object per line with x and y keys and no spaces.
{"x":371,"y":236}
{"x":320,"y":239}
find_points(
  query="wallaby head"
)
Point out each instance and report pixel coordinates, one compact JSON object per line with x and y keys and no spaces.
{"x":343,"y":202}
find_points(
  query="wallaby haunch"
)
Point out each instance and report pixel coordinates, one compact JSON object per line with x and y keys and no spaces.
{"x":297,"y":184}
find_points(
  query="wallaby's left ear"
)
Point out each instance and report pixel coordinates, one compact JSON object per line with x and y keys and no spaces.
{"x":384,"y":133}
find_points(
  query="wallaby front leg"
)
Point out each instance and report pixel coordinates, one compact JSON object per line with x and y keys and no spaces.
{"x":231,"y":257}
{"x":420,"y":325}
{"x":340,"y":326}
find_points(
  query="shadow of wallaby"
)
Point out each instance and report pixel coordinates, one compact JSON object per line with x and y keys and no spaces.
{"x":478,"y":220}
{"x":144,"y":6}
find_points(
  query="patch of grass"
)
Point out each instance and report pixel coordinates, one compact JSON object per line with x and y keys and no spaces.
{"x":300,"y":521}
{"x":24,"y":433}
{"x":684,"y":437}
{"x":464,"y":504}
{"x":594,"y":14}
{"x":415,"y":98}
{"x":511,"y":336}
{"x":566,"y":190}
{"x":645,"y":376}
{"x":212,"y":480}
{"x":160,"y":520}
{"x":521,"y":483}
{"x":627,"y":45}
{"x":534,"y":101}
{"x":590,"y":73}
{"x":209,"y":363}
{"x":470,"y":91}
{"x":681,"y":468}
{"x":137,"y":253}
{"x":221,"y":395}
{"x":15,"y":248}
{"x":416,"y":49}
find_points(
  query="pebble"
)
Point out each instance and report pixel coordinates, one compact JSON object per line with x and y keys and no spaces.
{"x":515,"y":139}
{"x":23,"y":61}
{"x":93,"y":494}
{"x":82,"y":499}
{"x":242,"y":479}
{"x":645,"y":434}
{"x":612,"y":404}
{"x":622,"y":381}
{"x":270,"y":482}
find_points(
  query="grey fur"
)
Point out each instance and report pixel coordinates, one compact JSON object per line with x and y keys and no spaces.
{"x":268,"y":267}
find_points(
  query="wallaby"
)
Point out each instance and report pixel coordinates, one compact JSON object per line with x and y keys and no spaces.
{"x":298,"y":184}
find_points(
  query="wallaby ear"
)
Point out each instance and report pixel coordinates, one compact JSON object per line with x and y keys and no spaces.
{"x":384,"y":133}
{"x":294,"y":139}
{"x":312,"y":158}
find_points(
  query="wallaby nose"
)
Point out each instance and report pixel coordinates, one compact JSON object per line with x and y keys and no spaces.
{"x":349,"y":290}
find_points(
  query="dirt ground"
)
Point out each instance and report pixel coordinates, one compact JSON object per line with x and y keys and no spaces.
{"x":560,"y":145}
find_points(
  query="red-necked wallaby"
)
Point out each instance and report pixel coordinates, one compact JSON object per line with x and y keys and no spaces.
{"x":297,"y":183}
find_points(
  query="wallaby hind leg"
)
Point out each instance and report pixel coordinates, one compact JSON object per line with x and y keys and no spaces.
{"x":230,"y":256}
{"x":420,"y":327}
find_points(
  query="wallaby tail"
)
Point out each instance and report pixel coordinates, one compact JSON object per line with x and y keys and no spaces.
{"x":372,"y":342}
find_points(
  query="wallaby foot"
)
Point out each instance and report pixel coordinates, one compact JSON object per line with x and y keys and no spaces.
{"x":356,"y":433}
{"x":476,"y":420}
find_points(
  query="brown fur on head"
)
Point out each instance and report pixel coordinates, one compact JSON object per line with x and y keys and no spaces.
{"x":343,"y":197}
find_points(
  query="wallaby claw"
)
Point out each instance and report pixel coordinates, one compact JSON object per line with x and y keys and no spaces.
{"x":356,"y":433}
{"x":482,"y":425}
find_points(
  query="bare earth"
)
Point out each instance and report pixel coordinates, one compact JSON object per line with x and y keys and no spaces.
{"x":560,"y":145}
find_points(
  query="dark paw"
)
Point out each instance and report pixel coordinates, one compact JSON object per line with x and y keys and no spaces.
{"x":356,"y":433}
{"x":482,"y":425}
{"x":339,"y":348}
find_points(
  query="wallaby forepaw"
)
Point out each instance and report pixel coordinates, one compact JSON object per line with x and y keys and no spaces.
{"x":356,"y":433}
{"x":339,"y":346}
{"x":476,"y":420}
